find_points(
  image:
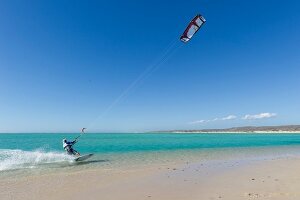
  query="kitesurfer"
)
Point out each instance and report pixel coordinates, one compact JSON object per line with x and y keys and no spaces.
{"x":68,"y":146}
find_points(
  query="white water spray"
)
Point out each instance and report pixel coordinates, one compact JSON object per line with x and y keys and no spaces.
{"x":18,"y":159}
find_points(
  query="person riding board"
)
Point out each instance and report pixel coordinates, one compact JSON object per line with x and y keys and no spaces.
{"x":68,"y":146}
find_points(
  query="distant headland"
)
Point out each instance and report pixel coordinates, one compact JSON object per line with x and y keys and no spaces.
{"x":244,"y":129}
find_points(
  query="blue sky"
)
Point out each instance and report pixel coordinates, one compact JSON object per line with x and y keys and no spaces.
{"x":63,"y":63}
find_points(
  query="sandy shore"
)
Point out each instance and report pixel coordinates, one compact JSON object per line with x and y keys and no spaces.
{"x":232,"y":180}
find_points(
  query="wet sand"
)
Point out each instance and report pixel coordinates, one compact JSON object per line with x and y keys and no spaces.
{"x":232,"y":180}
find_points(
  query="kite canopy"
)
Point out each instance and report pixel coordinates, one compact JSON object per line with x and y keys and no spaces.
{"x":192,"y":28}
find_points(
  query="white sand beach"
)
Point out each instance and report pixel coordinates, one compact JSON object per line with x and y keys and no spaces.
{"x":232,"y":180}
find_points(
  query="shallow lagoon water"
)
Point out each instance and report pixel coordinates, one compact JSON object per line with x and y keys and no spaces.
{"x":25,"y":154}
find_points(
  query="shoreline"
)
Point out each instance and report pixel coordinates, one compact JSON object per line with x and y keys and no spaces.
{"x":235,"y":132}
{"x":273,"y":178}
{"x":292,"y":129}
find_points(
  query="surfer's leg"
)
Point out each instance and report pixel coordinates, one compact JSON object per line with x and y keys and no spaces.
{"x":76,"y":152}
{"x":69,"y":151}
{"x":72,"y":152}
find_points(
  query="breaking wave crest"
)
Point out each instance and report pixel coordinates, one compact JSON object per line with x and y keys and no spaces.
{"x":18,"y":159}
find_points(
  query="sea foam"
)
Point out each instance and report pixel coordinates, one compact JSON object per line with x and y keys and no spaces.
{"x":18,"y":159}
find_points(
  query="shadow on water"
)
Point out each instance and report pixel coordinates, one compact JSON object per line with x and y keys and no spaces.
{"x":90,"y":162}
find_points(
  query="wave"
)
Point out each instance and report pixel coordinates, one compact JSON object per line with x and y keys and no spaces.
{"x":18,"y":159}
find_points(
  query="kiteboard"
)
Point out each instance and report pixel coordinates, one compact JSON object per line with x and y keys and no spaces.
{"x":84,"y":157}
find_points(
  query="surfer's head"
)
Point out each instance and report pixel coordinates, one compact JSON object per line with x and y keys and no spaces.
{"x":64,"y":140}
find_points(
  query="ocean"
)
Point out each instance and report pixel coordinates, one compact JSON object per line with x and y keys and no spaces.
{"x":25,"y":154}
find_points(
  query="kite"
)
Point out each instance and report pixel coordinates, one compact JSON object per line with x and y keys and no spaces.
{"x":192,"y":28}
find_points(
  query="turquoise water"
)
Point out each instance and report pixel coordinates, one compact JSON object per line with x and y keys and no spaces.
{"x":42,"y":151}
{"x":108,"y":143}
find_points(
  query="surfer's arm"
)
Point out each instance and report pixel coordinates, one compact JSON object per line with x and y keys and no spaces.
{"x":71,"y":143}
